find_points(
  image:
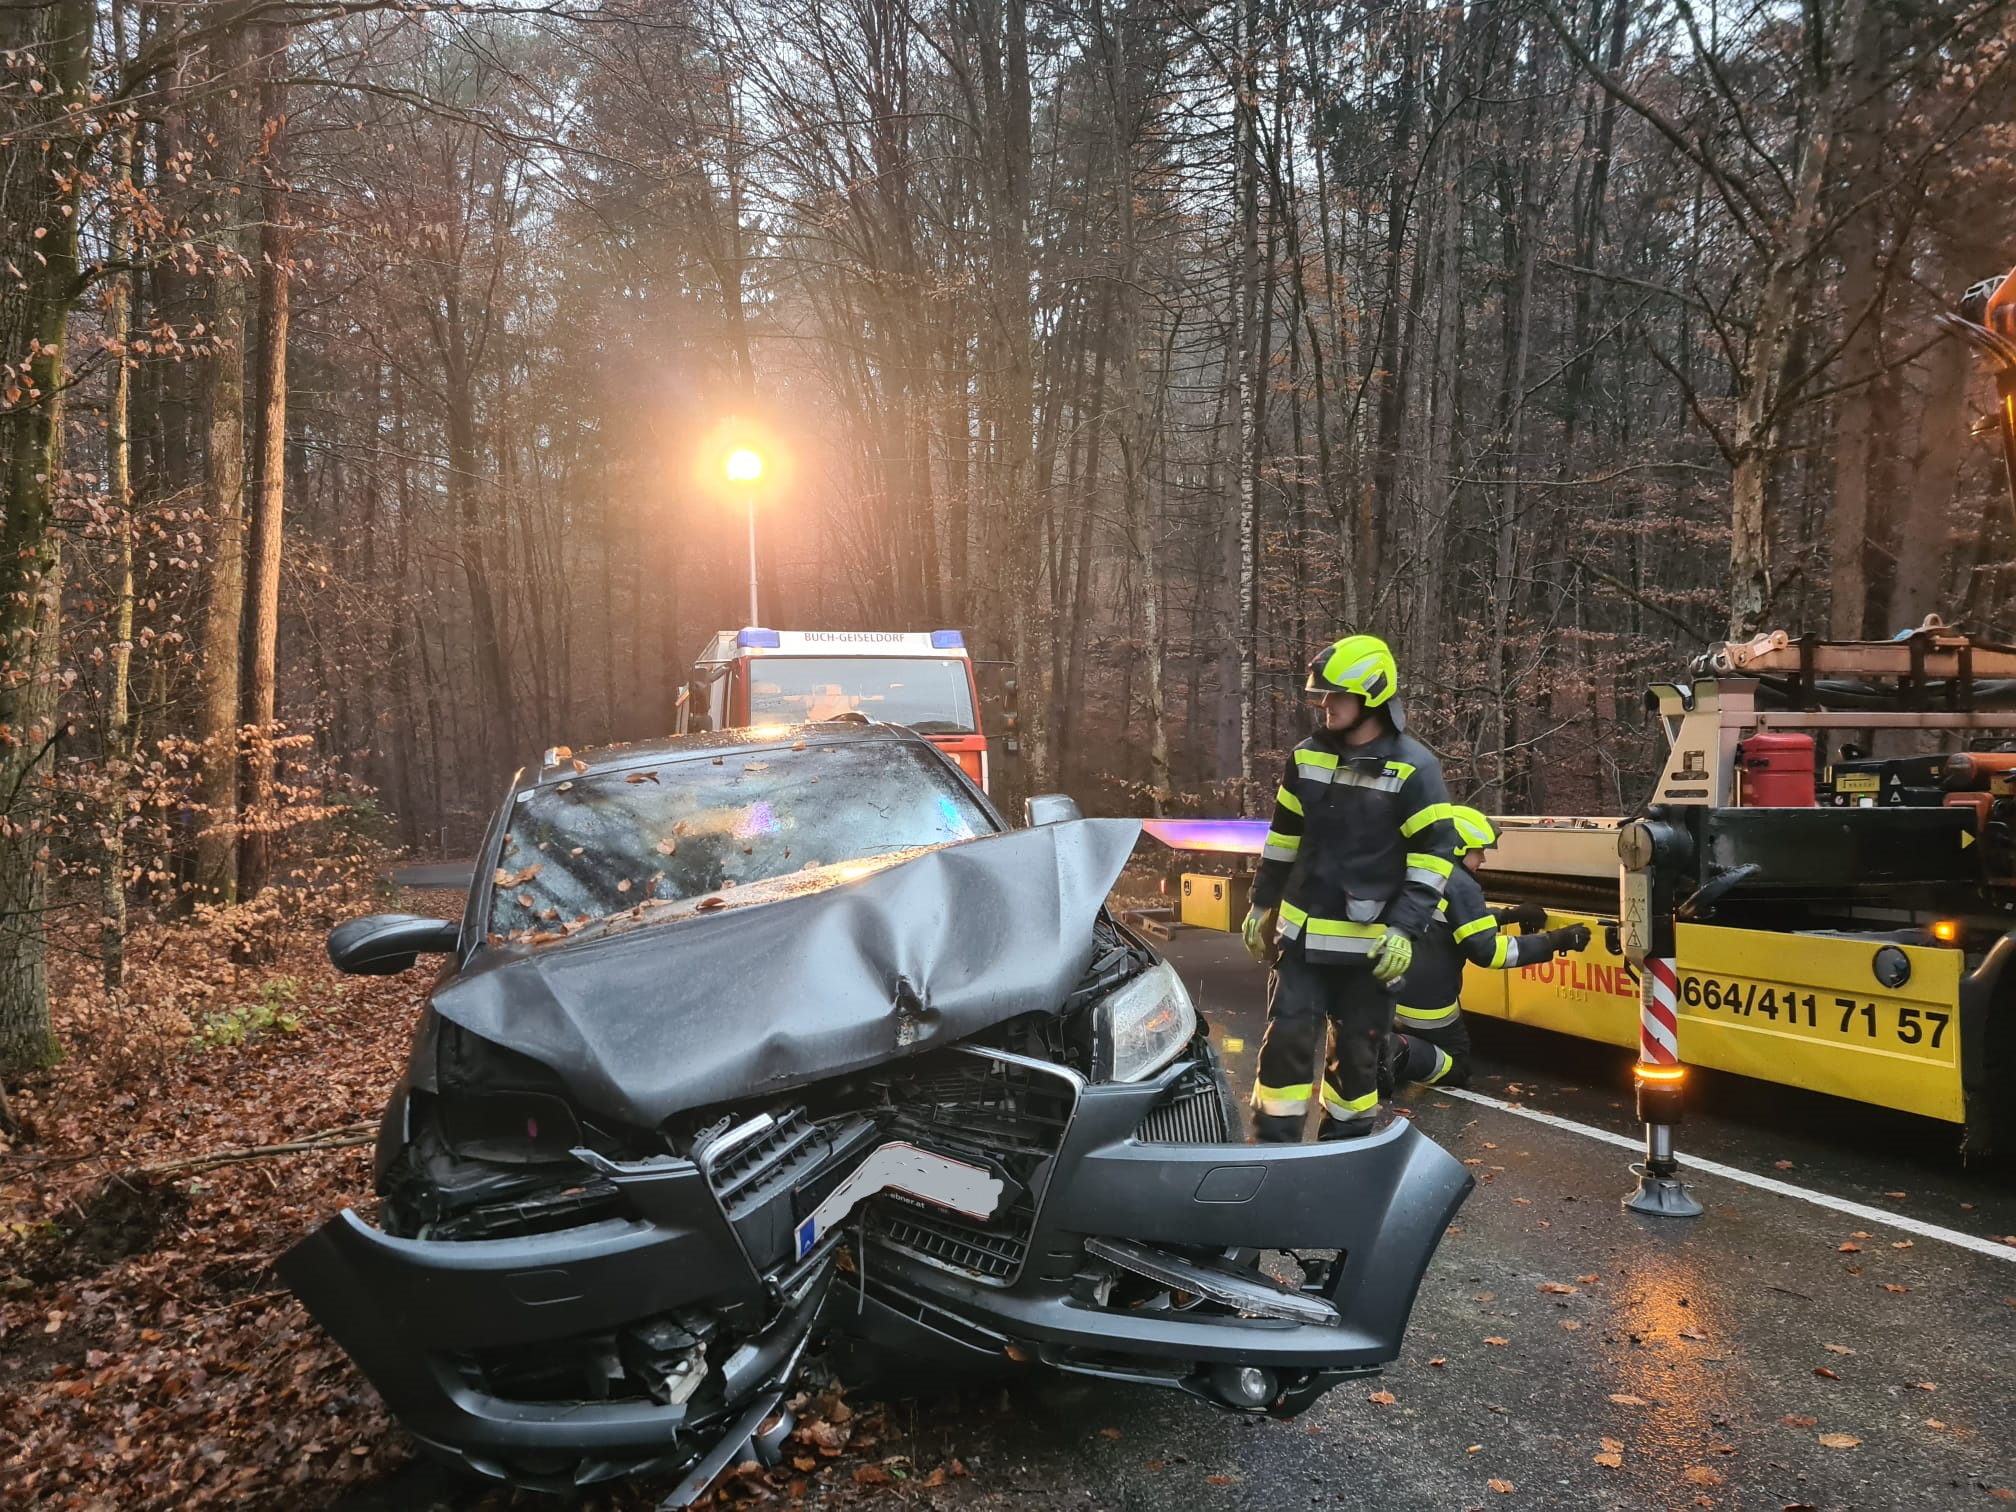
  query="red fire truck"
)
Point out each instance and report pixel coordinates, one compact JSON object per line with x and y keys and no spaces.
{"x":920,"y":678}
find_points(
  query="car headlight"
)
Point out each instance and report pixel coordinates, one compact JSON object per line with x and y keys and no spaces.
{"x":1144,"y":1025}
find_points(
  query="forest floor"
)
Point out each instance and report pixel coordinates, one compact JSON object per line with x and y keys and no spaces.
{"x":153,"y":1359}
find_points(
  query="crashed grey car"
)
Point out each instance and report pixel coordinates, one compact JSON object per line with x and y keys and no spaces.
{"x":761,"y":1040}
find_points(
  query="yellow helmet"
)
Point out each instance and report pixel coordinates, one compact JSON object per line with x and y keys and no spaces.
{"x":1473,"y":829}
{"x":1360,"y":664}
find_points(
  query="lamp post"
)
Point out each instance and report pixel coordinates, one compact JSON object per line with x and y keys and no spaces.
{"x":745,"y":469}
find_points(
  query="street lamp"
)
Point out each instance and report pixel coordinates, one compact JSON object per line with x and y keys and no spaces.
{"x":745,"y":470}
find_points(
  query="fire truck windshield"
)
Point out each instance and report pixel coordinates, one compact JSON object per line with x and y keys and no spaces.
{"x":932,"y":695}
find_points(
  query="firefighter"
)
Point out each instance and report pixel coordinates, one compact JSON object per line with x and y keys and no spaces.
{"x":1359,"y":850}
{"x":1431,"y":1044}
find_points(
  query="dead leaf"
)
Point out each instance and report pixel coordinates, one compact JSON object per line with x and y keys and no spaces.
{"x":1493,"y":1297}
{"x":1793,"y":1420}
{"x":1694,"y":1335}
{"x":1571,"y":1324}
{"x":1625,"y":1399}
{"x":1111,"y":1433}
{"x":1903,"y":1243}
{"x":1934,"y":1423}
{"x":1473,"y":1448}
{"x":1837,"y":1349}
{"x":1613,"y":1446}
{"x":1928,"y":1386}
{"x":708,"y":905}
{"x":1558,"y":1289}
{"x":1610,"y":1461}
{"x":623,"y":886}
{"x":1824,"y":1373}
{"x":1382,"y":1399}
{"x":1849,"y":1249}
{"x":1589,"y":1280}
{"x":1156,"y":1465}
{"x":579,"y":765}
{"x":1896,"y":1196}
{"x":1220,"y":1480}
{"x":2003,"y":1493}
{"x":871,"y":1475}
{"x":1438,"y":1362}
{"x":1892,"y":1286}
{"x":561,"y":753}
{"x":1496,"y":1342}
{"x":1703,"y":1475}
{"x":668,"y":847}
{"x":1502,"y":1487}
{"x":805,"y":1462}
{"x":1783,"y":1165}
{"x":1858,"y":1234}
{"x":1839,"y":1440}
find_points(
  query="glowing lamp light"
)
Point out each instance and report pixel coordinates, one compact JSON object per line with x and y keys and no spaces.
{"x":744,"y":465}
{"x":1659,"y":1073}
{"x":1946,"y":931}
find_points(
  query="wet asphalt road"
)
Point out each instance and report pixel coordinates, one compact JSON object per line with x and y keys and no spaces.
{"x":1726,"y":1361}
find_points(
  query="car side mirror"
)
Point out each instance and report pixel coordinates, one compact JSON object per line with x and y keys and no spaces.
{"x":1050,"y":808}
{"x":387,"y":944}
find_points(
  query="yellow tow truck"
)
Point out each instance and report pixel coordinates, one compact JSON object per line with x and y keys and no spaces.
{"x":1829,"y":855}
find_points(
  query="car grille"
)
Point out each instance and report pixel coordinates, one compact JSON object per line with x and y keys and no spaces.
{"x":972,"y":1105}
{"x":747,"y":1175}
{"x":1194,"y":1112}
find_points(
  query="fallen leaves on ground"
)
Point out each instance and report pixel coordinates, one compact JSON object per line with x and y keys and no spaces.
{"x":1557,"y":1288}
{"x":1625,"y":1399}
{"x":1841,"y":1349}
{"x":1502,"y":1487}
{"x":1839,"y":1441}
{"x":1824,"y":1373}
{"x":1850,"y":1248}
{"x":1111,"y":1433}
{"x":1892,"y":1286}
{"x":1703,"y":1475}
{"x":1382,"y":1398}
{"x":1571,"y":1324}
{"x":1795,"y":1420}
{"x":1783,"y":1165}
{"x":1438,"y":1362}
{"x":1497,"y":1342}
{"x":1609,"y":1459}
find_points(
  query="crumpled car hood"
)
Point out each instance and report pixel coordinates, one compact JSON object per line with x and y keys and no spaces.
{"x":752,"y":1001}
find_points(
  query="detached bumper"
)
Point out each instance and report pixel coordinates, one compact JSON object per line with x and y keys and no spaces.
{"x":412,"y":1314}
{"x":1383,"y":1202}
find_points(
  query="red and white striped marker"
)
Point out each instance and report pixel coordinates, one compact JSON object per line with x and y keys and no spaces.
{"x":1659,"y":1014}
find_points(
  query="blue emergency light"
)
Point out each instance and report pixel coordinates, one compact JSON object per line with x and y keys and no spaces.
{"x":947,"y":640}
{"x":762,"y":640}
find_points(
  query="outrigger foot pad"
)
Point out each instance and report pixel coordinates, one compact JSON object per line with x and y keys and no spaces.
{"x":1663,"y":1196}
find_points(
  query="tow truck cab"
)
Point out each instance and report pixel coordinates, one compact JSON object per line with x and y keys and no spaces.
{"x":920,"y":678}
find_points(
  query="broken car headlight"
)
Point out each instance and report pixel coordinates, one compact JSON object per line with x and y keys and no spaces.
{"x":1144,"y":1025}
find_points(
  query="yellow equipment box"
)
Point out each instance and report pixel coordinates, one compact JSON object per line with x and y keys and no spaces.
{"x":1210,"y":902}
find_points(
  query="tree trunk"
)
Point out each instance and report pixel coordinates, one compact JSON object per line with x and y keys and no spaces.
{"x":38,"y":247}
{"x":224,"y":498}
{"x":1925,"y":533}
{"x":118,"y":726}
{"x":276,"y":245}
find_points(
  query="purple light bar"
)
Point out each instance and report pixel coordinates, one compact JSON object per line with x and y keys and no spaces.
{"x":1232,"y":837}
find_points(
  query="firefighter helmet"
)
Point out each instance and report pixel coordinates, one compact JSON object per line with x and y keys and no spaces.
{"x":1359,"y":664}
{"x":1473,"y":830}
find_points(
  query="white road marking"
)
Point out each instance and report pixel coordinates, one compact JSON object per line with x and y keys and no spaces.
{"x":1690,"y":1164}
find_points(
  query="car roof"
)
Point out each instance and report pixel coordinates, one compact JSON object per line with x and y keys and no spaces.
{"x":559,"y":763}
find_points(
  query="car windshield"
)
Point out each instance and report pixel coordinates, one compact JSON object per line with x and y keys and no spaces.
{"x":589,"y":847}
{"x":931,"y":694}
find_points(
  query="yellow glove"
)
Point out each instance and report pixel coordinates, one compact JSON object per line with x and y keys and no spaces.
{"x":1258,"y":933}
{"x":1392,"y":956}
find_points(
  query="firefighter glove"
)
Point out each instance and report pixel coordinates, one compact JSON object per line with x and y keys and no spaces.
{"x":1258,"y":933}
{"x":1530,"y":917}
{"x":1392,"y":956}
{"x":1572,"y":937}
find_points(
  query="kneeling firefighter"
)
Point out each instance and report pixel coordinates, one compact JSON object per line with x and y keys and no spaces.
{"x":1431,"y":1044}
{"x":1359,"y":850}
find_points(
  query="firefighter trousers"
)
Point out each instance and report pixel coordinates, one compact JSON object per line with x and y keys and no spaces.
{"x":1438,"y":1057}
{"x":1304,"y":1002}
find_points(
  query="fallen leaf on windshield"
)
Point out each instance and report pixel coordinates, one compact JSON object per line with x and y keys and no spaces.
{"x":706,"y":905}
{"x":1838,"y":1349}
{"x":1557,"y":1288}
{"x":623,"y":886}
{"x":580,"y":765}
{"x":566,"y":787}
{"x":756,"y":766}
{"x":797,"y":745}
{"x":1839,"y":1440}
{"x":525,"y":900}
{"x":668,"y":846}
